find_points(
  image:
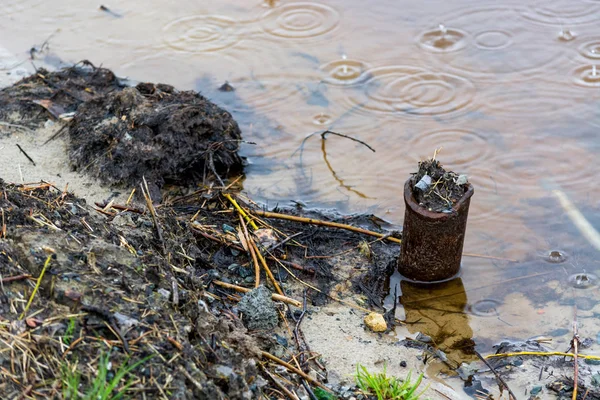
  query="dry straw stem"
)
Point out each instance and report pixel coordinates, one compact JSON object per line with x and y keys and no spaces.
{"x":37,"y":286}
{"x":276,"y":297}
{"x":240,"y":210}
{"x":543,"y":354}
{"x":254,"y":248}
{"x":250,"y":249}
{"x":319,"y":222}
{"x":266,"y":267}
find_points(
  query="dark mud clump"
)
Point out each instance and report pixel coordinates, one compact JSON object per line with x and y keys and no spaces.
{"x":121,"y":134}
{"x":33,"y":100}
{"x":156,"y":132}
{"x":435,"y":188}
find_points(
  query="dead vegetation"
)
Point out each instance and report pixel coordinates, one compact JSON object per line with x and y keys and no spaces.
{"x":149,"y":294}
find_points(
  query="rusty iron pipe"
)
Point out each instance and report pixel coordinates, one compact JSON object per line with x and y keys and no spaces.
{"x":432,"y":242}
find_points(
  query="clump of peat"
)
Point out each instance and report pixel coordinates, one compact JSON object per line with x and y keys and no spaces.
{"x":156,"y":132}
{"x":121,"y":134}
{"x":435,"y":188}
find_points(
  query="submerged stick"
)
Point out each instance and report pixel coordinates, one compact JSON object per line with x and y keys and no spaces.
{"x":329,"y":224}
{"x":584,"y":226}
{"x":274,"y":296}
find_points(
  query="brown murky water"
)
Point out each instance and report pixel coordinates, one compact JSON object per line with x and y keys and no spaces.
{"x":510,"y":91}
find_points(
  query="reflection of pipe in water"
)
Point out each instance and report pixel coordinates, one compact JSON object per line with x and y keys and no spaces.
{"x":584,"y":226}
{"x":438,"y":310}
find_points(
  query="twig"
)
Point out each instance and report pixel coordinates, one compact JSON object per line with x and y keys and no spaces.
{"x":252,"y":254}
{"x":319,"y":222}
{"x":190,"y":377}
{"x":3,"y":229}
{"x":146,"y":193}
{"x":335,"y":175}
{"x":323,"y":134}
{"x":25,"y":154}
{"x":511,"y":394}
{"x":284,"y":241}
{"x":575,"y":345}
{"x":118,"y":207}
{"x":285,"y":390}
{"x":216,"y":239}
{"x":292,"y":265}
{"x":111,"y":323}
{"x":15,"y":278}
{"x":37,"y":286}
{"x":72,"y":346}
{"x":265,"y":266}
{"x":274,"y":296}
{"x":295,"y":370}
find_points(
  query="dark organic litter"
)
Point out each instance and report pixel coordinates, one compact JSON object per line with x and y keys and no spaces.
{"x":156,"y":132}
{"x":437,"y":189}
{"x":120,"y":134}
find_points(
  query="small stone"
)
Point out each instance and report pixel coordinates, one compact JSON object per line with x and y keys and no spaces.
{"x":375,"y":322}
{"x":226,"y":87}
{"x":403,"y":364}
{"x":258,"y":309}
{"x":535,"y":390}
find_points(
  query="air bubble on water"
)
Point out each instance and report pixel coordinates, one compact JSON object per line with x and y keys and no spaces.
{"x":443,"y":29}
{"x":583,"y":280}
{"x":566,"y":35}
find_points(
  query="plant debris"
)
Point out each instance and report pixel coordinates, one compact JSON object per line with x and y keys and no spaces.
{"x":435,"y":188}
{"x":156,"y":132}
{"x":121,"y":134}
{"x":115,"y":291}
